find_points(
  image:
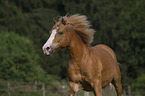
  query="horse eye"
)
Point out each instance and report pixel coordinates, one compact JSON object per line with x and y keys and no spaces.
{"x":60,"y":33}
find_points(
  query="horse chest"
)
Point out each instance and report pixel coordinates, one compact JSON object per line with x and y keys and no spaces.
{"x":74,"y":73}
{"x":77,"y":73}
{"x":79,"y":79}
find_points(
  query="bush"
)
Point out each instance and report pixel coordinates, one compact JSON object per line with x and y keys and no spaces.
{"x":18,"y":59}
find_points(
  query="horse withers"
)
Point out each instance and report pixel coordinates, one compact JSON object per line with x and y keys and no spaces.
{"x":89,"y":68}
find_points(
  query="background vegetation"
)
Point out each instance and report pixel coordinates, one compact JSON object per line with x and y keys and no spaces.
{"x":25,"y":25}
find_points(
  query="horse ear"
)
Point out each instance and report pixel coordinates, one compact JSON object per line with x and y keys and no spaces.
{"x":63,"y":21}
{"x":54,"y":21}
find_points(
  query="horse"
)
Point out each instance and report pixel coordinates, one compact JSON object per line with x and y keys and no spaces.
{"x":89,"y":68}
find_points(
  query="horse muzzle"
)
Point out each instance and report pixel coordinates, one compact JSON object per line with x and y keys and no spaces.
{"x":48,"y":50}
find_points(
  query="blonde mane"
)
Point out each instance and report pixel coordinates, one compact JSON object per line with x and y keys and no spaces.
{"x":81,"y":25}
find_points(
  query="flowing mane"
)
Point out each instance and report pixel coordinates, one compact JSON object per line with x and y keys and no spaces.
{"x":81,"y":25}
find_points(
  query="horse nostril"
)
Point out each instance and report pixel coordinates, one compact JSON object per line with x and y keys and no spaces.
{"x":47,"y":48}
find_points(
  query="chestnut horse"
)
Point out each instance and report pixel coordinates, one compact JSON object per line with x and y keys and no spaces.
{"x":89,"y":68}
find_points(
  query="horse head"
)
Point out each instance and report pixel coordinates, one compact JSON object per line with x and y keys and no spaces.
{"x":58,"y":39}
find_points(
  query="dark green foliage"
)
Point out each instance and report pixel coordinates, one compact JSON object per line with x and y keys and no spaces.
{"x":139,"y":84}
{"x":119,"y":24}
{"x":18,"y":59}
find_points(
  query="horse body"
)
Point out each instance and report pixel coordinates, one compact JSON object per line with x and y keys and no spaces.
{"x":89,"y":68}
{"x":94,"y":63}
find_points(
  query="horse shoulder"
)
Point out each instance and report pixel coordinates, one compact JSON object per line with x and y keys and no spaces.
{"x":91,"y":64}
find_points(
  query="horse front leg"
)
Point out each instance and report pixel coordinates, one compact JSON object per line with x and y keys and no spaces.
{"x":97,"y":87}
{"x":74,"y":88}
{"x":71,"y":92}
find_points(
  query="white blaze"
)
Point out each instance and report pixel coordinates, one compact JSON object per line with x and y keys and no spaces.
{"x":50,"y":40}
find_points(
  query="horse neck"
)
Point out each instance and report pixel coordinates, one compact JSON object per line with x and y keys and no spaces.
{"x":77,"y":47}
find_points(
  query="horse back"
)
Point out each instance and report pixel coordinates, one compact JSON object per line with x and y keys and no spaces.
{"x":108,"y":49}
